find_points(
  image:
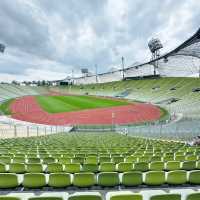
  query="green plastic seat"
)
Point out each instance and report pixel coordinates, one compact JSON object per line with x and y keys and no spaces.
{"x":177,"y":177}
{"x":9,"y":198}
{"x":48,"y":160}
{"x":194,"y":177}
{"x":45,"y":198}
{"x":73,"y":168}
{"x":54,"y":167}
{"x":59,"y":180}
{"x":34,"y":180}
{"x":34,"y":160}
{"x":188,"y":165}
{"x":125,"y":167}
{"x":86,"y":196}
{"x":125,"y":196}
{"x":17,"y":168}
{"x":131,"y":159}
{"x":168,"y":158}
{"x":156,"y":158}
{"x":179,"y":158}
{"x":157,"y":166}
{"x":5,"y":159}
{"x":89,"y":167}
{"x":91,"y":160}
{"x":34,"y":168}
{"x":103,"y":159}
{"x":108,"y":179}
{"x":64,"y":160}
{"x":166,"y":197}
{"x":132,"y":178}
{"x":117,"y":159}
{"x":2,"y":168}
{"x":8,"y":180}
{"x":191,"y":158}
{"x":84,"y":179}
{"x":173,"y":165}
{"x":155,"y":178}
{"x":107,"y":167}
{"x":141,"y":166}
{"x":78,"y":160}
{"x":19,"y":159}
{"x":193,"y":196}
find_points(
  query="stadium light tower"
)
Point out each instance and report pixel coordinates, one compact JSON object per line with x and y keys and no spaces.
{"x":122,"y":68}
{"x":2,"y":48}
{"x":155,"y":45}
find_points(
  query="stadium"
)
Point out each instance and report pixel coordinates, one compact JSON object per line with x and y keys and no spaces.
{"x":128,"y":134}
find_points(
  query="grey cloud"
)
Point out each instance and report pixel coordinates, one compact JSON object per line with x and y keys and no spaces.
{"x":60,"y":35}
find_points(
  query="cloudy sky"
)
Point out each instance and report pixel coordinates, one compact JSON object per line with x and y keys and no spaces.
{"x":46,"y":39}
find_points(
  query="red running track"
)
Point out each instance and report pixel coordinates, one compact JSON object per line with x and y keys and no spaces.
{"x":27,"y":109}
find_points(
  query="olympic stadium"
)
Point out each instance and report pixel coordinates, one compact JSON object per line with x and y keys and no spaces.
{"x":127,"y":134}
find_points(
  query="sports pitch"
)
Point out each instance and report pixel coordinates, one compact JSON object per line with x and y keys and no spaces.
{"x":58,"y":104}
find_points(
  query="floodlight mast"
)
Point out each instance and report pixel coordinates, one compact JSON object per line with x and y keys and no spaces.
{"x":2,"y":48}
{"x":155,"y":45}
{"x":122,"y":68}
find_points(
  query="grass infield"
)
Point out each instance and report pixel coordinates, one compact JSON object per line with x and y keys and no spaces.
{"x":58,"y":104}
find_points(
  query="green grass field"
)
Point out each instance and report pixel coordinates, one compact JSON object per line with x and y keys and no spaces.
{"x":5,"y":107}
{"x":58,"y":104}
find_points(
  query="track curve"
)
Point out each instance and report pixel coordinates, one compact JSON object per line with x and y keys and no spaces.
{"x":27,"y":109}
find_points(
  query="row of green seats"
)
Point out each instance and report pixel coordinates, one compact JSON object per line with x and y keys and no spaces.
{"x":123,"y":195}
{"x":103,"y":167}
{"x":104,"y":179}
{"x":95,"y":159}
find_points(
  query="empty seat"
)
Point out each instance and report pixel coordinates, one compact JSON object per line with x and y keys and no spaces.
{"x":108,"y":179}
{"x":91,"y":160}
{"x":85,"y":196}
{"x":125,"y":167}
{"x":173,"y":165}
{"x":132,"y":178}
{"x":9,"y":198}
{"x":48,"y":160}
{"x":8,"y":180}
{"x":141,"y":166}
{"x":194,"y":177}
{"x":107,"y":167}
{"x":2,"y":168}
{"x":84,"y":179}
{"x":193,"y":196}
{"x":34,"y":168}
{"x":64,"y":160}
{"x":19,"y":159}
{"x":34,"y":180}
{"x":188,"y":165}
{"x":34,"y":160}
{"x":177,"y":177}
{"x":73,"y":168}
{"x":103,"y":159}
{"x":5,"y":159}
{"x":45,"y":198}
{"x":89,"y":167}
{"x":59,"y":180}
{"x":166,"y":197}
{"x":17,"y":168}
{"x":54,"y":167}
{"x":155,"y":178}
{"x":117,"y":159}
{"x":123,"y":195}
{"x":157,"y":166}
